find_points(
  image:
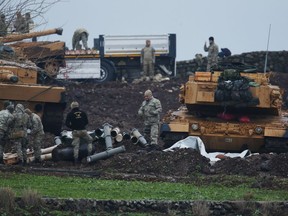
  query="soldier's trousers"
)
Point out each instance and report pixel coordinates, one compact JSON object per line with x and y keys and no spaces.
{"x":152,"y":131}
{"x":148,"y":68}
{"x":36,"y":144}
{"x":77,"y":134}
{"x":21,"y":148}
{"x":2,"y":145}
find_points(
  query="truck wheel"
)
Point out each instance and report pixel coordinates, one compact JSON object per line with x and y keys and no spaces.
{"x":107,"y":72}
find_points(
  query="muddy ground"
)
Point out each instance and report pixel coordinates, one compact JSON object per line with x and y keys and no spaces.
{"x":117,"y":103}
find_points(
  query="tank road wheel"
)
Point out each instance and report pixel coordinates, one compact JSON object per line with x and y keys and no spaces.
{"x":107,"y":71}
{"x":53,"y":117}
{"x":52,"y":68}
{"x":170,"y":138}
{"x":276,"y":144}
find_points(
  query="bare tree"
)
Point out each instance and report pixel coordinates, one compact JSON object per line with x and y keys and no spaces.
{"x":37,"y":9}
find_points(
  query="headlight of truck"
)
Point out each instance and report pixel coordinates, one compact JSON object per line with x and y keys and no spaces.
{"x":258,"y":130}
{"x":195,"y":126}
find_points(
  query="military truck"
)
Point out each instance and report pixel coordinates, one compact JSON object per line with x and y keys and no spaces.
{"x":230,"y":111}
{"x":117,"y":56}
{"x":19,"y":83}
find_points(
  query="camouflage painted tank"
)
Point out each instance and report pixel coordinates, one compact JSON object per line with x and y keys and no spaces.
{"x":229,"y":111}
{"x":19,"y":82}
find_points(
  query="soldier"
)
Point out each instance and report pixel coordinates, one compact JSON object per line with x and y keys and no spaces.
{"x":150,"y":110}
{"x":19,"y":132}
{"x":212,"y":50}
{"x":77,"y":121}
{"x":148,"y":60}
{"x":37,"y":132}
{"x":3,"y":26}
{"x":20,"y":23}
{"x":80,"y":34}
{"x":6,"y":123}
{"x":29,"y":22}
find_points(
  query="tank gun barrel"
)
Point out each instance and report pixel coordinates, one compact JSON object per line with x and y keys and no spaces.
{"x":19,"y":37}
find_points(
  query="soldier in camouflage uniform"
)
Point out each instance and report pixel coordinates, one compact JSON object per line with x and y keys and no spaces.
{"x":36,"y":133}
{"x":80,"y":34}
{"x":19,"y":132}
{"x":3,"y":26}
{"x":212,"y":50}
{"x":20,"y":23}
{"x":6,"y":123}
{"x":148,"y":60}
{"x":77,"y":121}
{"x":150,"y":110}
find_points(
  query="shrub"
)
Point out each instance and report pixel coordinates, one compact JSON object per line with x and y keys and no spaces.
{"x":7,"y":199}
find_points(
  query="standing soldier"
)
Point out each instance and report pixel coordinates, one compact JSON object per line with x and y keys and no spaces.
{"x":148,"y":60}
{"x":19,"y":132}
{"x":212,"y":57}
{"x":6,"y":123}
{"x":77,"y":121}
{"x":37,"y":132}
{"x":80,"y":34}
{"x":3,"y":26}
{"x":150,"y":110}
{"x":20,"y":23}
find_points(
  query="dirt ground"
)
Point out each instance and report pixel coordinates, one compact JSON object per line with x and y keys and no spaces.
{"x":117,"y":103}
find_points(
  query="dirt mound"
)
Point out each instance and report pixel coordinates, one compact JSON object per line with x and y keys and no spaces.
{"x":117,"y":103}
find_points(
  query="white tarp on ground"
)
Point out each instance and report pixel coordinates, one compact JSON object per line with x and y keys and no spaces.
{"x":196,"y":143}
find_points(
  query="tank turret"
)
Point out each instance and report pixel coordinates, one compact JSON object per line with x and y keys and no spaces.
{"x":230,"y":111}
{"x":19,"y":81}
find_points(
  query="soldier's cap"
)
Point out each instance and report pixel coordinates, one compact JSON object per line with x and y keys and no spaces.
{"x":148,"y":93}
{"x":211,"y":38}
{"x":74,"y":104}
{"x":28,"y":111}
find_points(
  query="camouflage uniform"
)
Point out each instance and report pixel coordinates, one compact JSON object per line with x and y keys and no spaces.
{"x":148,"y":60}
{"x":6,"y":123}
{"x":77,"y":121}
{"x":37,"y":134}
{"x":212,"y":57}
{"x":80,"y":35}
{"x":19,"y":132}
{"x":20,"y":23}
{"x":3,"y":26}
{"x":150,"y":111}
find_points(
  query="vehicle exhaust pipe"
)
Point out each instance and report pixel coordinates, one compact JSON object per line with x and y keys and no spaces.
{"x":106,"y":154}
{"x":137,"y":137}
{"x":107,"y":135}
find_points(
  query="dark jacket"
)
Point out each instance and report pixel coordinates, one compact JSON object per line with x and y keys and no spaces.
{"x":76,"y":119}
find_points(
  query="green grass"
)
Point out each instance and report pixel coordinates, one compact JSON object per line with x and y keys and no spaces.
{"x":91,"y":188}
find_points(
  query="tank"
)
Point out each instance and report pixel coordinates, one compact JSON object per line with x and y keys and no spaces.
{"x":230,"y":111}
{"x":19,"y":83}
{"x":48,"y":55}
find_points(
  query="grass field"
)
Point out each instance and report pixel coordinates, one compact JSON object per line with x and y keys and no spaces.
{"x":92,"y":188}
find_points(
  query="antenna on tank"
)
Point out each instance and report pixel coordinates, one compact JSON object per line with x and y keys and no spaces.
{"x":265,"y":64}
